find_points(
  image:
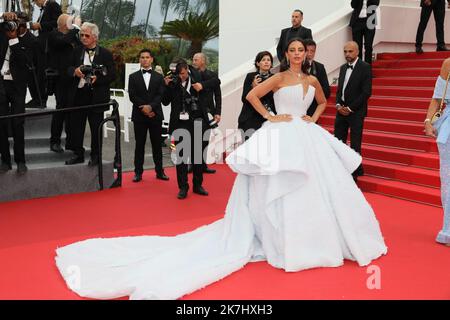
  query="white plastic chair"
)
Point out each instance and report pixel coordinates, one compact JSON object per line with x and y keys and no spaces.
{"x":125,"y":110}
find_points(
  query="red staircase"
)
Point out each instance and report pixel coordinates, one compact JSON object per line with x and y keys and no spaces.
{"x":399,"y":160}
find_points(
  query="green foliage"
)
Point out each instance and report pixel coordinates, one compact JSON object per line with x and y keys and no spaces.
{"x":126,"y":50}
{"x":196,"y":28}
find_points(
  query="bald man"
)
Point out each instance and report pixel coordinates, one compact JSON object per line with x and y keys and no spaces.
{"x":354,"y":91}
{"x":61,"y":44}
{"x":212,"y":97}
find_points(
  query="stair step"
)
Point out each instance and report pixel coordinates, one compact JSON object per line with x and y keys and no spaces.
{"x":400,"y":127}
{"x":407,"y":157}
{"x":404,"y":81}
{"x":392,"y":91}
{"x":396,"y":141}
{"x":412,"y":55}
{"x":388,"y":113}
{"x":401,"y":190}
{"x":410,"y":72}
{"x":420,"y":176}
{"x":396,"y":102}
{"x":408,"y":63}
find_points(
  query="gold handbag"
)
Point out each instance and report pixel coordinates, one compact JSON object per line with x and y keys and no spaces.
{"x":438,"y":113}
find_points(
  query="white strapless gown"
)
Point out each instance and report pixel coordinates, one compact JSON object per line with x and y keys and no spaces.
{"x":293,"y":203}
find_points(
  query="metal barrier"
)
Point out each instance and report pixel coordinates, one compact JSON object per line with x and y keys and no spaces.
{"x":115,"y":118}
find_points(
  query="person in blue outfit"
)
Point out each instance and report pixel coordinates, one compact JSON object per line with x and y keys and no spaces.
{"x":441,"y":131}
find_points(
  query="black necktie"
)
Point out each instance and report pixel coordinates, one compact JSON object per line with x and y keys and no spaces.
{"x":146,"y":71}
{"x":90,"y":50}
{"x":349,"y":66}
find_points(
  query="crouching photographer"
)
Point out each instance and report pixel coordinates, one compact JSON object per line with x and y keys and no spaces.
{"x":92,"y":71}
{"x":13,"y":57}
{"x":61,"y":44}
{"x":188,"y":122}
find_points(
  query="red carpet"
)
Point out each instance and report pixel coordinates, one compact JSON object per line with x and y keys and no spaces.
{"x":399,"y":160}
{"x":415,"y":267}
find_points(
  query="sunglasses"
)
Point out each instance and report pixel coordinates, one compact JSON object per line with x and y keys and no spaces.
{"x":85,"y":35}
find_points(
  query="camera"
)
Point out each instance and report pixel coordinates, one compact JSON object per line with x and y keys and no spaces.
{"x":264,"y":76}
{"x":191,"y":103}
{"x":90,"y":71}
{"x":13,"y":25}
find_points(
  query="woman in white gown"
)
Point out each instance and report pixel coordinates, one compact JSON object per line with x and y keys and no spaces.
{"x":294,"y":204}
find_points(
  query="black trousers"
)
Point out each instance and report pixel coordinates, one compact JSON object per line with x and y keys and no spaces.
{"x":190,"y":154}
{"x":78,"y":123}
{"x":355,"y":123}
{"x":437,"y":7}
{"x":153,"y":127}
{"x":59,"y":120}
{"x":13,"y":102}
{"x":364,"y":37}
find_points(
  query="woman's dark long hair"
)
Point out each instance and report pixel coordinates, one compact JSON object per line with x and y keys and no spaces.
{"x":284,"y":63}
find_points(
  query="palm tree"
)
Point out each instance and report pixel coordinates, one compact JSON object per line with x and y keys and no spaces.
{"x":207,"y":6}
{"x":196,"y":28}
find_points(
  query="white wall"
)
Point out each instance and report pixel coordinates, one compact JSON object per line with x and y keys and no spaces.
{"x":250,"y":26}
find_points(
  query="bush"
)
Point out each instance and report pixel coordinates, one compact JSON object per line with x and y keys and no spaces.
{"x":126,"y":50}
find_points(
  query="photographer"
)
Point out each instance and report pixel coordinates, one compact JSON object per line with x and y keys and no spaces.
{"x":249,"y":119}
{"x":61,"y":43}
{"x":50,"y":10}
{"x":213,"y":99}
{"x":92,"y":71}
{"x":14,"y":58}
{"x":188,"y":122}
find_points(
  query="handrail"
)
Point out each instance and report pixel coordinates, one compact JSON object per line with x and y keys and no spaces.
{"x":115,"y":118}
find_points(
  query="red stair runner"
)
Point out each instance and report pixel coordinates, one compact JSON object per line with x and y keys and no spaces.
{"x":399,"y":160}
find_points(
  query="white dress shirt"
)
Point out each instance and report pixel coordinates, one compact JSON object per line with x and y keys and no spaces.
{"x":363,"y":13}
{"x":5,"y":71}
{"x":147,"y":76}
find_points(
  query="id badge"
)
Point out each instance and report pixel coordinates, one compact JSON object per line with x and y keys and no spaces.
{"x":184,"y":116}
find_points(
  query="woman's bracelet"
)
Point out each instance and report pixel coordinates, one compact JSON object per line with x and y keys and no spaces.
{"x":266,"y":116}
{"x":427,"y":120}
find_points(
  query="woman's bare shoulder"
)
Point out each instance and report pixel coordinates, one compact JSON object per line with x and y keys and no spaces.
{"x":445,"y":69}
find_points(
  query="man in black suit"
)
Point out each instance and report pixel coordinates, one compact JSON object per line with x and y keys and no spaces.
{"x":62,"y":43}
{"x":188,"y":122}
{"x":363,"y":23}
{"x":213,"y":97}
{"x":353,"y":93}
{"x":296,"y":31}
{"x":145,"y":88}
{"x":50,"y":10}
{"x":14,"y":58}
{"x":318,"y":70}
{"x":438,"y":8}
{"x":88,"y":90}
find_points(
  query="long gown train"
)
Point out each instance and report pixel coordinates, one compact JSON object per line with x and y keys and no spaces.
{"x":293,"y":203}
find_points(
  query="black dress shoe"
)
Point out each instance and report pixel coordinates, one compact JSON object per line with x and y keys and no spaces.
{"x":200,"y":190}
{"x":444,"y":48}
{"x":208,"y":170}
{"x":162,"y":176}
{"x":137,"y":177}
{"x":74,"y":160}
{"x":419,"y":50}
{"x":182,"y":194}
{"x":5,"y":167}
{"x":21,"y":168}
{"x":56,"y":147}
